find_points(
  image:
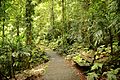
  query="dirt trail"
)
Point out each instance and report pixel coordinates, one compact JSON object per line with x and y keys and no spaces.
{"x":58,"y":69}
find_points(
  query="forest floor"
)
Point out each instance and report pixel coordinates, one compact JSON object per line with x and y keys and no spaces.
{"x":56,"y":69}
{"x":60,"y":69}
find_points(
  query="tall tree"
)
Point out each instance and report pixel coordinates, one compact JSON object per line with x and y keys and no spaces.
{"x":29,"y":22}
{"x":63,"y":23}
{"x":63,"y":13}
{"x":118,"y":13}
{"x":52,"y":13}
{"x":2,"y":5}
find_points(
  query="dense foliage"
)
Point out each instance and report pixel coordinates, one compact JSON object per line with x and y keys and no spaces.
{"x":18,"y":51}
{"x":88,"y":31}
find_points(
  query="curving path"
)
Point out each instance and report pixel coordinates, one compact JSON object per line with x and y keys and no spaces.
{"x":58,"y":69}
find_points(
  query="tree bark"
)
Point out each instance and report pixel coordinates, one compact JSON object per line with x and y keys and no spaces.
{"x":52,"y":13}
{"x":28,"y":22}
{"x":118,"y":13}
{"x":18,"y":31}
{"x":111,"y":41}
{"x":63,"y":12}
{"x":3,"y":26}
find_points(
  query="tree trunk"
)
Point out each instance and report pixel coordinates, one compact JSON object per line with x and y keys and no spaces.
{"x":118,"y":12}
{"x":28,"y":22}
{"x":111,"y":41}
{"x":18,"y":31}
{"x":3,"y":33}
{"x":63,"y":12}
{"x":29,"y":10}
{"x":3,"y":26}
{"x":52,"y":13}
{"x":63,"y":23}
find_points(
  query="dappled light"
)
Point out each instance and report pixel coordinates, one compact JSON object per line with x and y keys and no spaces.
{"x":59,"y":39}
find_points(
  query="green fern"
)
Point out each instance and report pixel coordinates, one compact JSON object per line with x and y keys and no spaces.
{"x":111,"y":75}
{"x":92,"y":76}
{"x":96,"y":66}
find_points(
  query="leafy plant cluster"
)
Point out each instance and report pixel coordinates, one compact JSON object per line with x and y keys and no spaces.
{"x":89,"y":26}
{"x":18,"y":42}
{"x":71,"y":27}
{"x":98,"y":64}
{"x":13,"y":62}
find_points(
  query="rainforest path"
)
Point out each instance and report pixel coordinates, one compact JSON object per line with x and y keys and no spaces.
{"x":58,"y":69}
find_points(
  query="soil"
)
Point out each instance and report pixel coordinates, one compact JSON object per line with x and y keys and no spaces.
{"x":60,"y":69}
{"x":56,"y":69}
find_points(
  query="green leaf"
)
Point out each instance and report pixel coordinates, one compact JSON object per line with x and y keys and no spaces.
{"x":111,"y":77}
{"x":96,"y":66}
{"x":92,"y":76}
